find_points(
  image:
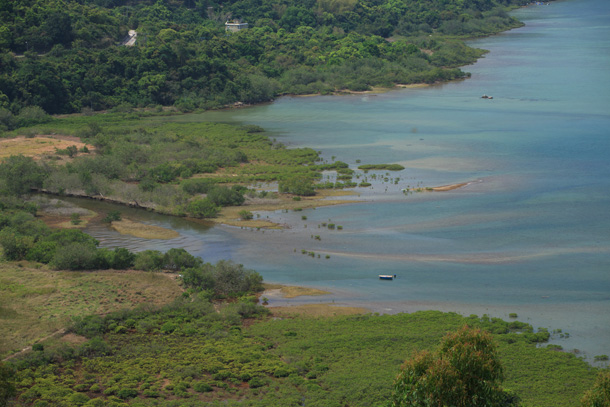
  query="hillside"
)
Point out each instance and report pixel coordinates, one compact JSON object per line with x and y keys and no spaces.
{"x":66,"y":57}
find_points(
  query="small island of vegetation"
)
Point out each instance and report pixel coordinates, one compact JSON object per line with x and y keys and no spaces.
{"x":388,"y":167}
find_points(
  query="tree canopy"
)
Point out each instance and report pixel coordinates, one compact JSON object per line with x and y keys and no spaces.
{"x":464,"y":372}
{"x":599,"y":394}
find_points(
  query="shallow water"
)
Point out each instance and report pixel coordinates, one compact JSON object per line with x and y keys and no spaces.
{"x":530,"y":234}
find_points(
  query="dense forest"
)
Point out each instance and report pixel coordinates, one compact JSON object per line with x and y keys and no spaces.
{"x":64,"y":56}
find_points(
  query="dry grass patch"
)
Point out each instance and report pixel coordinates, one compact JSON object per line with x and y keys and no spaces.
{"x":316,"y":310}
{"x":128,"y":227}
{"x":36,"y":301}
{"x":39,"y":146}
{"x":65,"y":222}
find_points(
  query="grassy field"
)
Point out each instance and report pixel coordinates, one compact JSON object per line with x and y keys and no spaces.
{"x":315,"y":310}
{"x":354,"y":359}
{"x":36,"y":301}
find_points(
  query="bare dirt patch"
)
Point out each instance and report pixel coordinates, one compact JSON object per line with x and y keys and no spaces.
{"x":74,"y":339}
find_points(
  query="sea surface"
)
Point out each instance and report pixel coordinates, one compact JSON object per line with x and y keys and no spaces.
{"x":530,"y":232}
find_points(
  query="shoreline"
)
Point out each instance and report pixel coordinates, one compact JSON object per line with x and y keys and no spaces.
{"x":545,"y":314}
{"x":228,"y":216}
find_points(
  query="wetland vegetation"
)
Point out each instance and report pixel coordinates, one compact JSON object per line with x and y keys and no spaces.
{"x":188,"y":350}
{"x":115,"y":328}
{"x":187,"y":332}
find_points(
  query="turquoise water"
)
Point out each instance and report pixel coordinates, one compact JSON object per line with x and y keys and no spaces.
{"x":529,"y":234}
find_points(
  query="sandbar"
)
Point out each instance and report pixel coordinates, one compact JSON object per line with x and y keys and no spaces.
{"x":128,"y":227}
{"x":449,"y":187}
{"x":287,"y":291}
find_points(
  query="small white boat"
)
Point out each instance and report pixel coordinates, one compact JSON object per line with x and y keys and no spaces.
{"x":387,"y":276}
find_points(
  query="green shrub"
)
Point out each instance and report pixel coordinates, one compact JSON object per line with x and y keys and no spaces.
{"x":95,"y":347}
{"x":150,"y":393}
{"x":130,"y":323}
{"x":15,"y":247}
{"x":81,"y":387}
{"x":202,"y":387}
{"x":179,"y":259}
{"x":249,"y":309}
{"x":233,"y":279}
{"x":121,"y":259}
{"x":202,"y":208}
{"x":127,"y":393}
{"x":223,"y":196}
{"x":281,"y":372}
{"x":75,"y":219}
{"x":222,"y":375}
{"x":148,"y":260}
{"x":256,"y":382}
{"x":297,"y":186}
{"x":78,"y":399}
{"x":112,"y":216}
{"x":245,"y":215}
{"x":599,"y":394}
{"x":75,"y":256}
{"x":199,"y":279}
{"x":197,"y":185}
{"x":31,"y":115}
{"x":168,"y":327}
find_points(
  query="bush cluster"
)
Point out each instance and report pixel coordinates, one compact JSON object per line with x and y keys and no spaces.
{"x":224,"y":279}
{"x":23,"y":237}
